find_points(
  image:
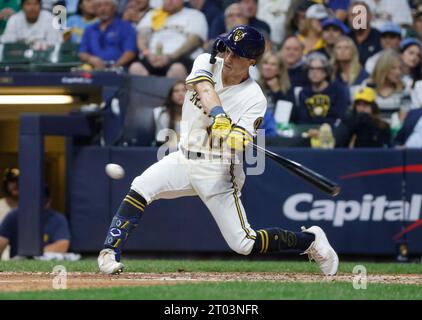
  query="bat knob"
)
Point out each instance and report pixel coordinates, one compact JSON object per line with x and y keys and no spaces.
{"x":335,"y":191}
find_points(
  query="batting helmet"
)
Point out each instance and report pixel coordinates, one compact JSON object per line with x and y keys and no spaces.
{"x":245,"y":41}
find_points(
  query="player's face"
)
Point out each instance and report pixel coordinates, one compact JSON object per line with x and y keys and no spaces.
{"x":235,"y":64}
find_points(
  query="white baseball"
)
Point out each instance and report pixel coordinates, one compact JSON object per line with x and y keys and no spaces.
{"x":115,"y":171}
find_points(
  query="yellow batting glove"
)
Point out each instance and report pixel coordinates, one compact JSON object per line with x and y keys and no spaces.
{"x":222,"y":124}
{"x":238,"y":139}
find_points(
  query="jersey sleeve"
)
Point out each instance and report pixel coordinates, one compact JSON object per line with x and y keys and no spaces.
{"x":201,"y":71}
{"x":252,"y":119}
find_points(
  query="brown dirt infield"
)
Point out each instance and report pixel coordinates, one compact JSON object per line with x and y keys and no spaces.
{"x":26,"y":281}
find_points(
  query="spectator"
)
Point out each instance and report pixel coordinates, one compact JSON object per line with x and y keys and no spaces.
{"x":392,"y":98}
{"x":110,"y":42}
{"x":416,"y":31}
{"x":311,"y":34}
{"x":7,"y":9}
{"x":296,"y":16}
{"x":363,"y":127}
{"x":247,"y":9}
{"x":322,"y":101}
{"x":10,"y":186}
{"x":275,"y":13}
{"x":275,"y":84}
{"x":56,"y":235}
{"x":33,"y":26}
{"x":390,"y":39}
{"x":346,"y":67}
{"x":339,"y":8}
{"x":410,"y":52}
{"x":251,"y":9}
{"x":332,"y":30}
{"x":209,"y":8}
{"x":397,"y":11}
{"x":410,"y":134}
{"x":167,"y":117}
{"x":169,"y":39}
{"x":234,"y":15}
{"x":366,"y":38}
{"x":135,"y":10}
{"x":84,"y":17}
{"x":292,"y":55}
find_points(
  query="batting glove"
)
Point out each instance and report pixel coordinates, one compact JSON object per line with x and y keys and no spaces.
{"x":238,"y":139}
{"x":222,"y":123}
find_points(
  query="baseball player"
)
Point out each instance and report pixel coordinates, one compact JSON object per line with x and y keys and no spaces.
{"x":222,"y":110}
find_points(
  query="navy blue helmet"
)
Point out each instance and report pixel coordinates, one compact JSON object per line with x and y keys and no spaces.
{"x":245,"y":41}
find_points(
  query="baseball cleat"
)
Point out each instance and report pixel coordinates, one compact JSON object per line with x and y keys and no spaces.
{"x":107,"y":262}
{"x":321,"y":251}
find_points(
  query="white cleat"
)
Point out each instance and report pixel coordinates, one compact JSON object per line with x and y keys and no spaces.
{"x":321,"y":251}
{"x":107,"y":262}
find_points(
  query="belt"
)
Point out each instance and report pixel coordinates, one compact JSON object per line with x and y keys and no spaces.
{"x":198,"y":155}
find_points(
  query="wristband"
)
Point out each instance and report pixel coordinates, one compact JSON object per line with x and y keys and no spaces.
{"x":217,"y":110}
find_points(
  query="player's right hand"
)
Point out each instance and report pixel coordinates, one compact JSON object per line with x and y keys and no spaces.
{"x":221,"y":126}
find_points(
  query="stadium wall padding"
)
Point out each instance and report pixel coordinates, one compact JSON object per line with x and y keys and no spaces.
{"x":381,"y":196}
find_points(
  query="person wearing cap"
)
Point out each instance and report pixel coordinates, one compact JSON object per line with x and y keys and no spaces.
{"x":56,"y":233}
{"x":363,"y":126}
{"x":311,"y":35}
{"x":410,"y":53}
{"x":32,"y":25}
{"x":366,"y":38}
{"x":223,"y":110}
{"x":110,"y":42}
{"x":332,"y":30}
{"x":391,"y":35}
{"x":323,"y":100}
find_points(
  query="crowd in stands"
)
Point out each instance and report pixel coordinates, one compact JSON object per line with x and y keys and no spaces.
{"x":351,"y":65}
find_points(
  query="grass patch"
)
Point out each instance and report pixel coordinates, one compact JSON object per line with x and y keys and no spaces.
{"x":166,"y":265}
{"x":232,"y":291}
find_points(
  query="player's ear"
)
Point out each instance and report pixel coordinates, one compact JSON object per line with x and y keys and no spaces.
{"x":253,"y":62}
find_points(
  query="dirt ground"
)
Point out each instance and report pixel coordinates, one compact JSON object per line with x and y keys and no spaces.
{"x":44,"y":281}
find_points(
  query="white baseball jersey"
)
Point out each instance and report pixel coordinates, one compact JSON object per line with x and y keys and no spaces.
{"x":217,"y":183}
{"x":244,"y":103}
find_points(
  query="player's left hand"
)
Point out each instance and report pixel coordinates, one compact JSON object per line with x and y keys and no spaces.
{"x":221,"y":126}
{"x":238,"y":140}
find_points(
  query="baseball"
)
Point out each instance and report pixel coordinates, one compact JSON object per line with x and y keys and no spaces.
{"x":115,"y":171}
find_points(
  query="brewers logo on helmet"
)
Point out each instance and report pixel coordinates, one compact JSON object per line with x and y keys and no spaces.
{"x":245,"y":41}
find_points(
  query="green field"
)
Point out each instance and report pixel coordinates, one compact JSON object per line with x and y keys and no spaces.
{"x":225,"y":290}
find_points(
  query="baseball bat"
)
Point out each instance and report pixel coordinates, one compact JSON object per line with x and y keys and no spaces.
{"x":314,"y":178}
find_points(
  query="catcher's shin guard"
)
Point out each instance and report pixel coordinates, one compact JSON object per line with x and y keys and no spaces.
{"x":126,"y":219}
{"x":276,"y":239}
